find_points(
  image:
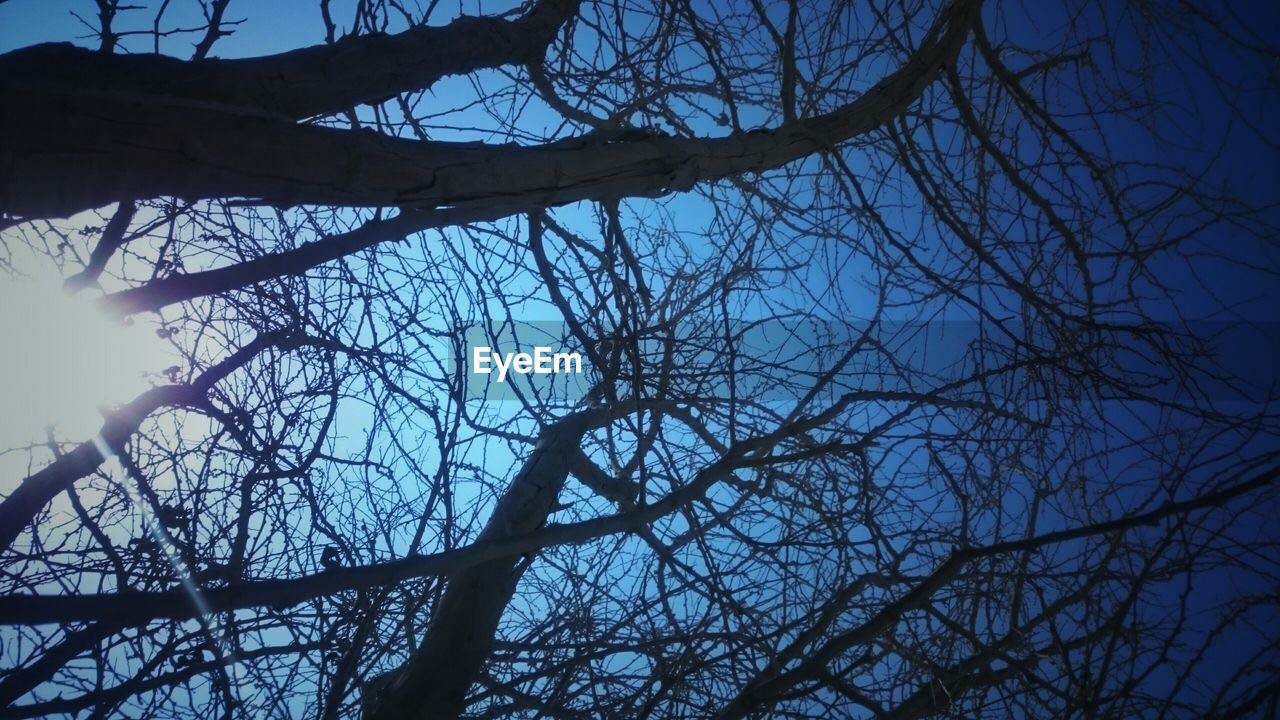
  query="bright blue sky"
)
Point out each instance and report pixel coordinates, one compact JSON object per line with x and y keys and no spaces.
{"x":1248,"y":166}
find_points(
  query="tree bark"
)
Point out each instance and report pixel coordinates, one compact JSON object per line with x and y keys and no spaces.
{"x":302,"y":83}
{"x":83,"y":148}
{"x":435,"y":680}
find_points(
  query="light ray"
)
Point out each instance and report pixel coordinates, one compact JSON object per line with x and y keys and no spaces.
{"x":204,"y":614}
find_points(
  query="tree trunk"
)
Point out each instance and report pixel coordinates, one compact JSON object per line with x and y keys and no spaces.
{"x":435,"y":680}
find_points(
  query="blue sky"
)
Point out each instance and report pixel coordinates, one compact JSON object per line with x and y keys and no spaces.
{"x":1245,"y":165}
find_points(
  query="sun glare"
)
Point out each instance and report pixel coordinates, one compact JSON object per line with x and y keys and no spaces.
{"x":63,"y":360}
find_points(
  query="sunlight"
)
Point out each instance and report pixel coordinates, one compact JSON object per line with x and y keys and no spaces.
{"x":63,"y":360}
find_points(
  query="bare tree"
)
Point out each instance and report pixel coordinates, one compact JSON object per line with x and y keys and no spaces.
{"x":894,"y":403}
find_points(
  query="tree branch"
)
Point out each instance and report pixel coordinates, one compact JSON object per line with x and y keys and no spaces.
{"x":32,"y":494}
{"x":766,"y":689}
{"x":86,"y":149}
{"x":302,"y":83}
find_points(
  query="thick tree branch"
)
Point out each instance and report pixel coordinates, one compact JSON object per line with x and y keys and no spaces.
{"x":310,"y":81}
{"x":20,"y":681}
{"x":32,"y":494}
{"x":435,"y":681}
{"x":182,"y":287}
{"x":86,"y":149}
{"x":113,"y":236}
